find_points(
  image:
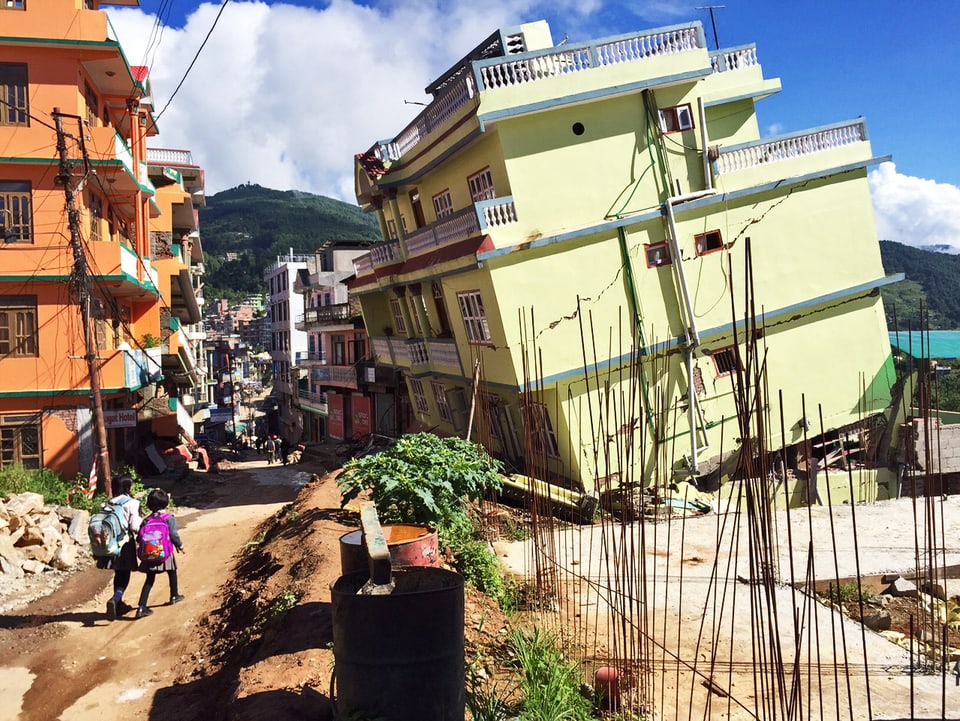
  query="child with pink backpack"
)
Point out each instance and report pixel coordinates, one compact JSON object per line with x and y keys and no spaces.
{"x":156,"y":541}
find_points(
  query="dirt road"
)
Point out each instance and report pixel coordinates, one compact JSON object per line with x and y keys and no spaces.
{"x":61,"y":658}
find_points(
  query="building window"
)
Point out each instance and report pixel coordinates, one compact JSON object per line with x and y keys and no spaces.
{"x":419,"y":396}
{"x":93,"y":104}
{"x":443,"y":407}
{"x":417,"y":207}
{"x":399,"y":323}
{"x":20,"y":442}
{"x":12,"y":4}
{"x":481,"y":186}
{"x":359,"y":348}
{"x":418,"y":307}
{"x":443,"y":204}
{"x":542,"y":438}
{"x":95,"y":206}
{"x":725,"y":360}
{"x":14,"y":109}
{"x":675,"y":119}
{"x":391,"y":229}
{"x":16,"y":215}
{"x":658,"y":254}
{"x":338,"y":350}
{"x":474,"y":317}
{"x":18,"y":326}
{"x":437,"y":289}
{"x":708,"y":242}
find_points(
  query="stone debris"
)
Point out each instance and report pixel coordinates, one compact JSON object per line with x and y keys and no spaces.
{"x":36,"y":538}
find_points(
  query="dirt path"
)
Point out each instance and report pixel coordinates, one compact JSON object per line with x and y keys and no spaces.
{"x":61,"y":658}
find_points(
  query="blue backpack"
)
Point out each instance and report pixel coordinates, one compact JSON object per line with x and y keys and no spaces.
{"x":108,"y":529}
{"x":154,"y":545}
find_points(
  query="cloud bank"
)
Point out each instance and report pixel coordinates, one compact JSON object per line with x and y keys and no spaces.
{"x":915,"y":211}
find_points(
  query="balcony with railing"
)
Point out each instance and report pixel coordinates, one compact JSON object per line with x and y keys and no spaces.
{"x":307,"y":359}
{"x":337,"y":314}
{"x":527,"y":68}
{"x":316,"y":402}
{"x":438,"y":354}
{"x":798,"y":149}
{"x":480,"y":218}
{"x":339,"y":376}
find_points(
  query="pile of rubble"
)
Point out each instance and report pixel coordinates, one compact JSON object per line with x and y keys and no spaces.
{"x":39,"y":540}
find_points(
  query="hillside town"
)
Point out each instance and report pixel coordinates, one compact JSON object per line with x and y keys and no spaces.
{"x":592,"y":267}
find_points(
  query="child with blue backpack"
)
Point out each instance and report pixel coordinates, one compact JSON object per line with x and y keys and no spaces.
{"x":124,"y":562}
{"x":157,"y":538}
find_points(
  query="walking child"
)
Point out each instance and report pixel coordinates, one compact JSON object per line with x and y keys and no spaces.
{"x":158,"y":537}
{"x":124,"y":563}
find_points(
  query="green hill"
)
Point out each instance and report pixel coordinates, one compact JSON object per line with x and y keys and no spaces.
{"x":258,"y":224}
{"x":932,"y":279}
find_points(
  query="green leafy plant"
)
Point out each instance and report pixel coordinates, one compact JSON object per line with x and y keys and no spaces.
{"x":149,"y":340}
{"x":549,"y":682}
{"x":423,"y":479}
{"x":281,"y":605}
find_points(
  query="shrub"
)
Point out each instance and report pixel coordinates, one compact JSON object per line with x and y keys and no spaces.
{"x":423,"y":479}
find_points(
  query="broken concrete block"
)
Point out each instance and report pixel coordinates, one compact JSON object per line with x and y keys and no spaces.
{"x":903,"y":588}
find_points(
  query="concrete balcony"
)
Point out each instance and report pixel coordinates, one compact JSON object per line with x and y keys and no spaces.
{"x":119,"y":268}
{"x":315,"y":402}
{"x":338,"y":314}
{"x":337,"y":376}
{"x":436,"y":354}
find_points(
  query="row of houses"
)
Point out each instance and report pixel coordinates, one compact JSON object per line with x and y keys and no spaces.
{"x":101,"y":339}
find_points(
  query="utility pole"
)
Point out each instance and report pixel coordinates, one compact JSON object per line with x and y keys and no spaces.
{"x":80,"y":282}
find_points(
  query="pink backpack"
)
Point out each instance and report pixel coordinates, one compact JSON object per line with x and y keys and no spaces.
{"x":154,"y":545}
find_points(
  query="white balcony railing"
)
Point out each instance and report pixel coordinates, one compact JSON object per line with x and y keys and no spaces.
{"x":168,"y":156}
{"x":772,"y":150}
{"x":744,"y":56}
{"x":521,"y":68}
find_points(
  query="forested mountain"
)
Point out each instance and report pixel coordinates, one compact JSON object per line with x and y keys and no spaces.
{"x":258,"y":224}
{"x":932,"y":279}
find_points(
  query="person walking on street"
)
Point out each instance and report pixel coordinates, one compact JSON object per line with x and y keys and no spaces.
{"x":284,"y":450}
{"x":157,"y":501}
{"x":271,"y":445}
{"x":125,"y":563}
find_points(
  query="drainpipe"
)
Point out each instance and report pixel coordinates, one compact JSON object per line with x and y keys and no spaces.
{"x":704,"y":140}
{"x":693,"y":335}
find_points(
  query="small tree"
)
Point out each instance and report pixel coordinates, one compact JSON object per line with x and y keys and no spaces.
{"x":423,"y":479}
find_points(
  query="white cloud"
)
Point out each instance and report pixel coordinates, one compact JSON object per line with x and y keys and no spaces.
{"x":915,"y":211}
{"x":285,"y":96}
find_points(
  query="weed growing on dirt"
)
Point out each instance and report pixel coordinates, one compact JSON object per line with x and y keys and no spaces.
{"x":844,"y":593}
{"x":281,"y":605}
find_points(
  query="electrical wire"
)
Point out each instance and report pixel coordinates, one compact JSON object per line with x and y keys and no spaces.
{"x":192,"y":62}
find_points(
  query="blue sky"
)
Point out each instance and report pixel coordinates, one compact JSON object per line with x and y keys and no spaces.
{"x":284,"y":94}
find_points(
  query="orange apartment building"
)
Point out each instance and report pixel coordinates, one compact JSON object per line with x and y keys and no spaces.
{"x":62,"y":56}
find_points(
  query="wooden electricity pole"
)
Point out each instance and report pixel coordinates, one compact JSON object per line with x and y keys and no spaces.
{"x":80,"y":284}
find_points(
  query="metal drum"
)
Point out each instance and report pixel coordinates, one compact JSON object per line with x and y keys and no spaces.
{"x":399,"y":656}
{"x":408,"y":546}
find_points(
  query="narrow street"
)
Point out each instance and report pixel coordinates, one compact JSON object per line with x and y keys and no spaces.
{"x":62,"y":658}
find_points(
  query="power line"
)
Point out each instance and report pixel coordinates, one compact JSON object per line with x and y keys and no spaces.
{"x":190,"y":67}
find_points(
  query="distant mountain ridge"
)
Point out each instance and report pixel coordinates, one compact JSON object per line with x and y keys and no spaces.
{"x":932,"y":280}
{"x":259,"y":224}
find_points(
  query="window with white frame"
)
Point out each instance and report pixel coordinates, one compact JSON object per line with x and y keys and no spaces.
{"x":419,"y":396}
{"x":440,"y":396}
{"x":675,"y":119}
{"x":400,"y":325}
{"x":542,"y":438}
{"x":474,"y":317}
{"x":481,"y":186}
{"x":443,"y":204}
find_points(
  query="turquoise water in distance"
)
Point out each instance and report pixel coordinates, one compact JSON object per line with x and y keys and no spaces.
{"x":935,"y":344}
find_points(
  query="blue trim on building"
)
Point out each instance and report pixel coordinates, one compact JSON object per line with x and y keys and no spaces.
{"x":677,"y":342}
{"x":706,"y":201}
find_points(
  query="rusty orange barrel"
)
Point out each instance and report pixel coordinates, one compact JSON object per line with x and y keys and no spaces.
{"x":399,"y":656}
{"x":408,"y":545}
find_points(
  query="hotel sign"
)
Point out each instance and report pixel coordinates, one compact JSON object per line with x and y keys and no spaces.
{"x":120,"y":419}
